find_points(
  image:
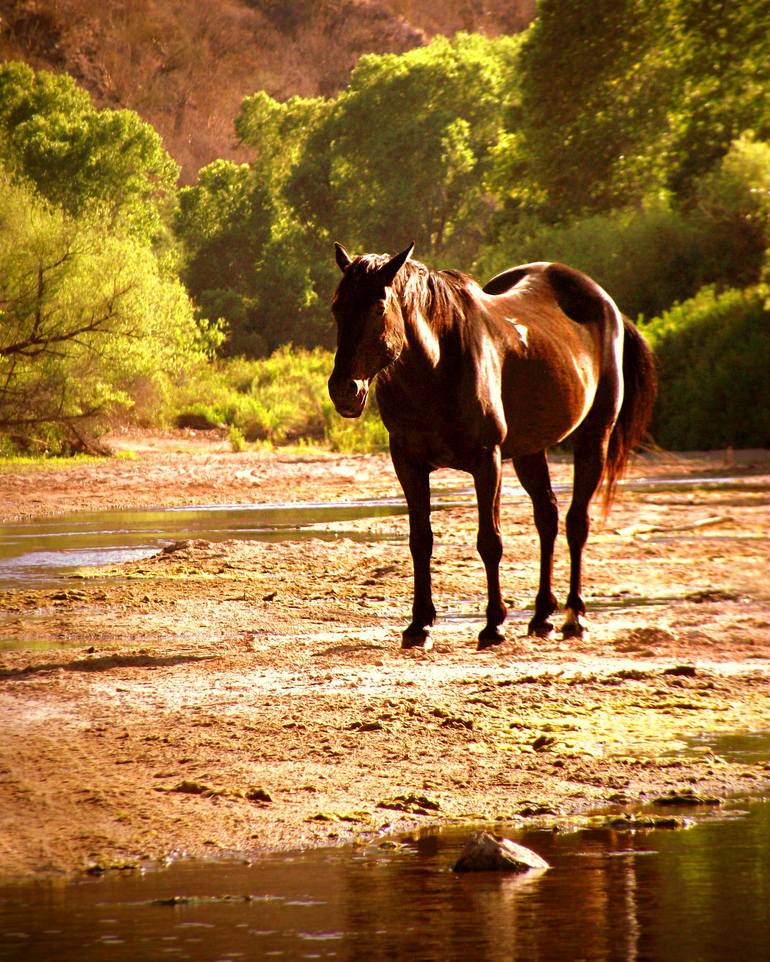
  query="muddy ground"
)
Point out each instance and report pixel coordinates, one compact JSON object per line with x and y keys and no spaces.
{"x":242,"y":696}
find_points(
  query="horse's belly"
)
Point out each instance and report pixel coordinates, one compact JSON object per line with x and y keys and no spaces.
{"x":542,"y":407}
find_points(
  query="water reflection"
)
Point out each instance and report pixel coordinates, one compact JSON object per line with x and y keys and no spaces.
{"x":40,"y":552}
{"x":749,"y":748}
{"x":699,"y":894}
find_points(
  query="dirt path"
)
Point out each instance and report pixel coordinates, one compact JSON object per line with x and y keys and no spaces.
{"x":239,"y":696}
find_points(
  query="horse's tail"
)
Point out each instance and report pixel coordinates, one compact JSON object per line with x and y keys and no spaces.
{"x":640,"y":386}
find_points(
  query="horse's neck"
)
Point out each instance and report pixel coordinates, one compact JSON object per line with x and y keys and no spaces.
{"x":423,"y":344}
{"x":423,"y":339}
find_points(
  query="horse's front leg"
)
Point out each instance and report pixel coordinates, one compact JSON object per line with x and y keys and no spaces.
{"x":487,"y":478}
{"x":415,"y":480}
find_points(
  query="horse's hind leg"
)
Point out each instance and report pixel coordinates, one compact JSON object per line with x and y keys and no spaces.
{"x":532,"y":471}
{"x":590,"y":457}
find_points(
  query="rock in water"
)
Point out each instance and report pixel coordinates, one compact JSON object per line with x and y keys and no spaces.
{"x":489,"y":853}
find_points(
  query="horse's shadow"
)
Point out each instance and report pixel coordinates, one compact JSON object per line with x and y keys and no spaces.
{"x":105,"y":663}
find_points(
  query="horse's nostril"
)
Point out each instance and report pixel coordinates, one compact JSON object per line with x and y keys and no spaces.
{"x":347,"y":392}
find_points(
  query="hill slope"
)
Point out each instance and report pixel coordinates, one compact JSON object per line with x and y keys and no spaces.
{"x":185,"y":65}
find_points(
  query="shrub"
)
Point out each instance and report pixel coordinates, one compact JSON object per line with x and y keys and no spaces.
{"x":365,"y":434}
{"x":714,"y":357}
{"x":278,"y":400}
{"x":645,"y":260}
{"x":236,"y":439}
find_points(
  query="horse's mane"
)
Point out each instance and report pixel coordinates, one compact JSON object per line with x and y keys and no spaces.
{"x":440,"y":296}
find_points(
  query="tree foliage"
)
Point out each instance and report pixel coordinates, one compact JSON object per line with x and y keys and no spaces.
{"x":401,"y":154}
{"x":651,"y":257}
{"x":87,"y":318}
{"x":632,"y":141}
{"x":81,"y":158}
{"x":622,"y":98}
{"x":224,"y":222}
{"x":722,"y":54}
{"x":594,"y":92}
{"x":278,"y":132}
{"x":628,"y":140}
{"x":249,"y":262}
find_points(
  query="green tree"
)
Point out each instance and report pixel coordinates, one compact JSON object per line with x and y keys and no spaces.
{"x":224,"y":222}
{"x":250,"y":262}
{"x":594,"y":92}
{"x":401,"y":154}
{"x":294,"y":283}
{"x":87,"y":319}
{"x":249,"y":259}
{"x":623,"y":99}
{"x":278,"y":132}
{"x":82,"y":158}
{"x":722,"y":56}
{"x":650,"y":257}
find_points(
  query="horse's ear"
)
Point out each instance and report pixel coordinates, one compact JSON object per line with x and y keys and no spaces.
{"x":387,"y":273}
{"x":344,"y":260}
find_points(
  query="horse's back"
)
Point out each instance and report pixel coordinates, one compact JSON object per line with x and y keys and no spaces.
{"x":503,"y":282}
{"x":576,"y":294}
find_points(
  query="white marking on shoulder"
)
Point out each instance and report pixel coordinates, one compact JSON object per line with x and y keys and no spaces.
{"x":521,"y":329}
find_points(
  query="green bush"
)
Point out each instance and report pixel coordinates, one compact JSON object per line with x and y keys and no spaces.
{"x":236,"y":439}
{"x":713,"y":353}
{"x":278,"y":400}
{"x":90,"y":321}
{"x":364,"y":434}
{"x":645,"y":259}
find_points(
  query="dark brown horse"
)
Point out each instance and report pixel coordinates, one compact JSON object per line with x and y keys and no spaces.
{"x":468,"y":376}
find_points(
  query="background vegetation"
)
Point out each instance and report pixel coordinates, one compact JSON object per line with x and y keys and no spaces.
{"x":632,"y":142}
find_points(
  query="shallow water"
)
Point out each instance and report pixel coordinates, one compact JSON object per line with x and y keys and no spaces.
{"x":698,"y":894}
{"x":41,"y":553}
{"x":748,"y":748}
{"x":36,"y":553}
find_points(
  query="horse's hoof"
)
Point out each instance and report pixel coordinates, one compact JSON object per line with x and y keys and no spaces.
{"x":416,"y":638}
{"x":539,"y":629}
{"x":573,"y":627}
{"x":489,"y":638}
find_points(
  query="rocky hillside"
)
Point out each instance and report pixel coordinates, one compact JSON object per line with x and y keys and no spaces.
{"x":185,"y":65}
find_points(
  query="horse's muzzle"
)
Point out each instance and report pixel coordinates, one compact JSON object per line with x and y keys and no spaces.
{"x":349,"y":395}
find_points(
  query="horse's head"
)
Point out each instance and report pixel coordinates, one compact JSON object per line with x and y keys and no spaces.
{"x":370,"y":326}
